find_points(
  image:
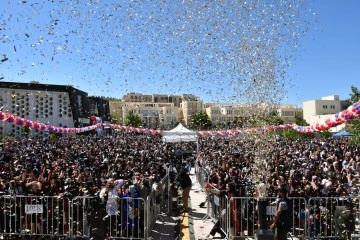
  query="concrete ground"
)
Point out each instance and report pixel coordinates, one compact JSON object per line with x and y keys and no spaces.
{"x":193,"y":225}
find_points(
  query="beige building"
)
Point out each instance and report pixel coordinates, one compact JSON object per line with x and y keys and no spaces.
{"x":224,"y":115}
{"x":153,"y":115}
{"x":289,"y":112}
{"x":317,"y":111}
{"x":187,"y":108}
{"x":159,"y":98}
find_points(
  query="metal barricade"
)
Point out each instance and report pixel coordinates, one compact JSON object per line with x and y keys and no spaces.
{"x":45,"y":216}
{"x":159,"y":202}
{"x":117,"y":218}
{"x":242,"y":216}
{"x":323,"y":216}
{"x":164,"y":195}
{"x":202,"y":176}
{"x":214,"y":205}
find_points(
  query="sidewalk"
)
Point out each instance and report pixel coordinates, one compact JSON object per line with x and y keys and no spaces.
{"x":199,"y":224}
{"x":185,"y":226}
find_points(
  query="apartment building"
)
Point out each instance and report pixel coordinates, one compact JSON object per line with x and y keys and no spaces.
{"x":187,"y":108}
{"x":153,"y":115}
{"x":289,"y":112}
{"x":316,"y":111}
{"x":224,"y":115}
{"x":55,"y":105}
{"x":159,"y":98}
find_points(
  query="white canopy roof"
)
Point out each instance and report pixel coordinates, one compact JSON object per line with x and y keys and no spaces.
{"x":180,"y":134}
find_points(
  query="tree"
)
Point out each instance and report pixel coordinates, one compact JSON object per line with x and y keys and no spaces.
{"x":114,"y":119}
{"x":132,"y":119}
{"x":325,"y":134}
{"x":200,"y":121}
{"x":354,"y":125}
{"x":300,"y":121}
{"x":272,"y":118}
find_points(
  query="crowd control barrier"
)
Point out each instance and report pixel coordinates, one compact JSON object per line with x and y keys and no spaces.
{"x":159,"y":202}
{"x":323,"y":216}
{"x":121,"y":218}
{"x":202,"y":176}
{"x":35,"y":215}
{"x":244,"y":217}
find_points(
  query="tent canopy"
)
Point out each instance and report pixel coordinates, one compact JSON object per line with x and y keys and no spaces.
{"x":180,"y":134}
{"x":342,"y":134}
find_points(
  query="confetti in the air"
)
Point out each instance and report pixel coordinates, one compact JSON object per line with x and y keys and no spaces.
{"x":231,"y":50}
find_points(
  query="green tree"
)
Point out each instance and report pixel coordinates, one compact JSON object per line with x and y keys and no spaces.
{"x":114,"y":119}
{"x":132,"y":119}
{"x":200,"y":121}
{"x":325,"y":134}
{"x":300,"y":121}
{"x":273,"y":118}
{"x":354,"y":125}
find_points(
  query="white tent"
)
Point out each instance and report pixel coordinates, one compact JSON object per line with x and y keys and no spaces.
{"x":180,"y":134}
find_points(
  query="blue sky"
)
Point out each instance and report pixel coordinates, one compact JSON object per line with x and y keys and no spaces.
{"x":329,"y":62}
{"x":109,"y":48}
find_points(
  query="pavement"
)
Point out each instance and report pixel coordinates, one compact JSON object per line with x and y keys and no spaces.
{"x":194,"y":225}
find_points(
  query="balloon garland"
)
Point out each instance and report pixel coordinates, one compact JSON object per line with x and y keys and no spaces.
{"x":353,"y":111}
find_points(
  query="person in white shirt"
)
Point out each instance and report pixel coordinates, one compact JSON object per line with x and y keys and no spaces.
{"x":111,"y":194}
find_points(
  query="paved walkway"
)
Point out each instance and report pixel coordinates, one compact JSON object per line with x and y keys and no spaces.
{"x":185,"y":226}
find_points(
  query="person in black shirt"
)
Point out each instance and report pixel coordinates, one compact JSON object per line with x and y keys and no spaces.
{"x":184,"y":180}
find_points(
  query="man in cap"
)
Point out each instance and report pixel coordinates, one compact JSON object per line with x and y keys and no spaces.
{"x":282,"y":221}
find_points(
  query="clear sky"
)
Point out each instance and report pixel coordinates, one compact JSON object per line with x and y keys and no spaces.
{"x":330,"y":59}
{"x":240,"y":50}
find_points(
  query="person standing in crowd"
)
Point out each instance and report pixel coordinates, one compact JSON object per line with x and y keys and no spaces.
{"x":282,"y":221}
{"x":184,"y":180}
{"x":230,"y":192}
{"x":110,"y":194}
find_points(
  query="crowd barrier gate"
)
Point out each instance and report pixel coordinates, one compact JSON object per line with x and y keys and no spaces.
{"x":322,"y":217}
{"x":202,"y":176}
{"x":121,"y":218}
{"x":35,"y":216}
{"x":159,"y":202}
{"x":242,"y":216}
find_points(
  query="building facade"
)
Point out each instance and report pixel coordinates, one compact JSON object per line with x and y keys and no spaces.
{"x":187,"y":108}
{"x":289,"y":112}
{"x":316,"y":111}
{"x":153,"y":115}
{"x":55,"y":105}
{"x":159,"y":98}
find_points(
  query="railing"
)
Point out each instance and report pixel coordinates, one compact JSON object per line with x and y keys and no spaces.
{"x":202,"y":176}
{"x":323,"y":216}
{"x":35,"y":215}
{"x":242,"y":214}
{"x":312,"y":219}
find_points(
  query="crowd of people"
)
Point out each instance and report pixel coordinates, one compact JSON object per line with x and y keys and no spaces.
{"x":113,"y":169}
{"x":309,"y":168}
{"x":131,"y":165}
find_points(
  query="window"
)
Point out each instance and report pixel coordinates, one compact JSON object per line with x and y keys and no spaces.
{"x":332,"y":106}
{"x":324,"y":106}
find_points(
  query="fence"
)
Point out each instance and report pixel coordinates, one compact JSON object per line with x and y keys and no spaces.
{"x":323,"y":216}
{"x":312,"y":219}
{"x":159,"y":201}
{"x":35,"y":215}
{"x":202,"y":175}
{"x":120,"y":218}
{"x":243,"y":218}
{"x":82,"y":217}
